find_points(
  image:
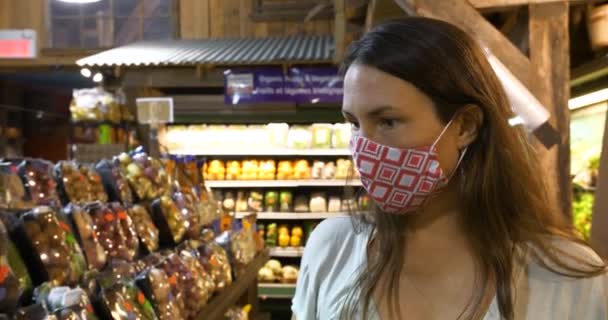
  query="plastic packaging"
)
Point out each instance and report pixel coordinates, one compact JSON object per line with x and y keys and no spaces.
{"x":301,"y":170}
{"x":147,"y":176}
{"x":267,"y":170}
{"x":271,"y":201}
{"x":318,"y":202}
{"x":146,"y":230}
{"x":125,"y":223}
{"x":341,"y":135}
{"x":111,"y":232}
{"x":301,"y":204}
{"x":50,"y":248}
{"x":170,"y":223}
{"x":255,"y":202}
{"x":184,"y":286}
{"x":124,"y":301}
{"x":84,"y":230}
{"x":155,"y":285}
{"x":250,"y":170}
{"x":215,"y":261}
{"x":241,"y":201}
{"x":299,"y":137}
{"x":286,"y":201}
{"x":115,"y":182}
{"x":37,"y":178}
{"x":317,"y":169}
{"x":242,"y":243}
{"x":321,"y":135}
{"x":98,"y":193}
{"x":94,"y":104}
{"x":285,"y":170}
{"x":187,"y":205}
{"x":12,"y":192}
{"x":202,"y":281}
{"x":67,"y":303}
{"x":334,"y":204}
{"x":73,"y":186}
{"x":12,"y":286}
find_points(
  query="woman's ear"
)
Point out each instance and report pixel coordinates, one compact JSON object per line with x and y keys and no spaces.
{"x":470,"y":120}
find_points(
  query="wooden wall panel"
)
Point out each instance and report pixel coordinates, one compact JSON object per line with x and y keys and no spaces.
{"x":194,"y":19}
{"x":24,"y":14}
{"x":231,"y":18}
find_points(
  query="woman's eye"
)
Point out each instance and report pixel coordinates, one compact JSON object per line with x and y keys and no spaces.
{"x":388,"y":123}
{"x":354,"y":125}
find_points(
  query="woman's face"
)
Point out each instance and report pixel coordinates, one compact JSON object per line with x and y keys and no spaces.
{"x":393,"y":112}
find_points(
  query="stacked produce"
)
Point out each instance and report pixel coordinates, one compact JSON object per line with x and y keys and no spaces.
{"x":254,"y":169}
{"x":123,"y":259}
{"x":274,"y":137}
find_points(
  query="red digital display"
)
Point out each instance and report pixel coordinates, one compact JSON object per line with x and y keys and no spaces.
{"x":15,"y":48}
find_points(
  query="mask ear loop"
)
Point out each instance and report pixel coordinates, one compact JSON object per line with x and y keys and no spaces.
{"x":442,"y":133}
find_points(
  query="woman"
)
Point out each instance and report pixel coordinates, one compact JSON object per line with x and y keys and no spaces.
{"x":462,"y":227}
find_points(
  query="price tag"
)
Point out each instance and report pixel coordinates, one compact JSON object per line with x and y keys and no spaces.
{"x":172,"y":280}
{"x":140,"y":298}
{"x":64,"y":226}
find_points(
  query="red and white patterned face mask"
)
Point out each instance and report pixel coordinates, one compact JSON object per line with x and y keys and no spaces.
{"x":399,"y":180}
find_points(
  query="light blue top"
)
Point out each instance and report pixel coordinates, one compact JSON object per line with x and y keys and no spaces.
{"x":335,"y":251}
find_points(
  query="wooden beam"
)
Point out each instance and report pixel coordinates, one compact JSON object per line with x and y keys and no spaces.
{"x":599,"y":221}
{"x":381,"y":10}
{"x":462,"y":14}
{"x":339,"y":29}
{"x":549,"y":55}
{"x":500,"y":4}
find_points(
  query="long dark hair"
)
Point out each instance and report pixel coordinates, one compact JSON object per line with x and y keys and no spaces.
{"x":505,"y":205}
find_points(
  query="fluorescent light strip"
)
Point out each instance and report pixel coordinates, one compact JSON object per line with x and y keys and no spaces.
{"x":588,"y":99}
{"x":79,"y":1}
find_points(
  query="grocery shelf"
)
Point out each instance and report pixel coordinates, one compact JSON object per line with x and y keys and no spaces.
{"x":280,"y":183}
{"x":287,"y":252}
{"x":276,"y":290}
{"x":292,"y":215}
{"x":262,"y":152}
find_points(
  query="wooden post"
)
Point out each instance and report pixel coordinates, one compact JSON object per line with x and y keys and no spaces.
{"x":599,"y":222}
{"x":549,"y":56}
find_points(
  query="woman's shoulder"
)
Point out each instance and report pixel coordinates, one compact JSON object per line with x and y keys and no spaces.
{"x":574,"y":288}
{"x":335,"y":239}
{"x":572,"y":255}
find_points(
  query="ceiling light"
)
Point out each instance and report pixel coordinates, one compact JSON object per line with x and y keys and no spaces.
{"x":98,"y":77}
{"x":85,"y":72}
{"x":588,"y":99}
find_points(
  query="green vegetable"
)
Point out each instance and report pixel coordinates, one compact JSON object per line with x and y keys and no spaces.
{"x":582,"y":209}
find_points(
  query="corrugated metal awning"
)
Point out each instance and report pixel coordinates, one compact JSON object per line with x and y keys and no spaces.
{"x":236,"y":51}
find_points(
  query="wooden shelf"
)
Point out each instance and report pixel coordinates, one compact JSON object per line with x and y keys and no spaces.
{"x":276,"y":290}
{"x":292,"y":215}
{"x":280,"y":183}
{"x":288,"y":252}
{"x":219,"y":304}
{"x":268,"y":152}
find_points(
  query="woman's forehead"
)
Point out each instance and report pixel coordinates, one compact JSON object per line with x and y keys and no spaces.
{"x":367,"y":88}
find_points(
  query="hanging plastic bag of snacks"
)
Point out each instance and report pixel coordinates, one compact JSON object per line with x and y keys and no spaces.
{"x":155,"y":285}
{"x":183,"y":283}
{"x":14,"y":282}
{"x":84,"y":229}
{"x":146,"y":175}
{"x":187,"y":206}
{"x":204,"y":281}
{"x":98,"y":193}
{"x":12,"y":192}
{"x":170,"y":222}
{"x":49,"y":247}
{"x":124,"y":301}
{"x":146,"y":230}
{"x":72,"y":185}
{"x":38,"y":180}
{"x":115,"y":182}
{"x":215,"y":260}
{"x":65,"y":302}
{"x":116,"y":237}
